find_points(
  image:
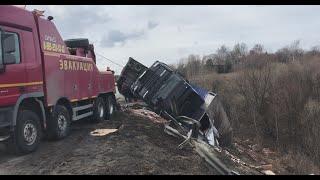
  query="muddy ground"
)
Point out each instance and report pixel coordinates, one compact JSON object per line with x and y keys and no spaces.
{"x":140,"y":146}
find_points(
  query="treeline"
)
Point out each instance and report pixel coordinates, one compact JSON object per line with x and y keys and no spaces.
{"x":272,"y":96}
{"x":226,"y":59}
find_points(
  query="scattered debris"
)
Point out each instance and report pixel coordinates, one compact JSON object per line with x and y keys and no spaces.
{"x":139,"y":148}
{"x":135,"y":105}
{"x":253,"y":155}
{"x":265,"y":167}
{"x":183,"y":110}
{"x":268,"y":172}
{"x":211,"y":154}
{"x":166,"y":92}
{"x":203,"y":149}
{"x":255,"y":147}
{"x":239,"y":148}
{"x":103,"y":132}
{"x":267,"y":151}
{"x":207,"y":153}
{"x":149,"y":114}
{"x":184,"y":105}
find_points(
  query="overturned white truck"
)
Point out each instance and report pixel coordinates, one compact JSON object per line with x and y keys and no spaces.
{"x":193,"y":111}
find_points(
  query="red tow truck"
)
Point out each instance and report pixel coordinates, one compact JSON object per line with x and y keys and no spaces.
{"x":45,"y":82}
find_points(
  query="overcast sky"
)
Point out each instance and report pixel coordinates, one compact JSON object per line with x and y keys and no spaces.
{"x":169,"y":33}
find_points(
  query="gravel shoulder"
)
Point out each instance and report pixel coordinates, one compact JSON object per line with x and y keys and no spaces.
{"x":140,"y":146}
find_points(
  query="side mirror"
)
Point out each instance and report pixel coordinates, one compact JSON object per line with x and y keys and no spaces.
{"x":9,"y":47}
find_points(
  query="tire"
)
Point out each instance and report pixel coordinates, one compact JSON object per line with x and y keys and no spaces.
{"x":77,"y":43}
{"x":27,"y":133}
{"x":110,"y":106}
{"x":59,"y":124}
{"x":99,"y":110}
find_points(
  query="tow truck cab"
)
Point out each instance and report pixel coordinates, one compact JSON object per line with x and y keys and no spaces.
{"x":46,"y":82}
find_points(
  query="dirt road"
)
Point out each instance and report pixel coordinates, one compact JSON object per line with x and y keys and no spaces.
{"x":139,"y":147}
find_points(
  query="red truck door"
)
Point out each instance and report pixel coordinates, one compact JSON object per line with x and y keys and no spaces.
{"x":25,"y":75}
{"x":13,"y":80}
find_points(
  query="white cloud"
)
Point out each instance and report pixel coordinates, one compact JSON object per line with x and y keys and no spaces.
{"x":168,"y":33}
{"x":152,"y":24}
{"x":115,"y":36}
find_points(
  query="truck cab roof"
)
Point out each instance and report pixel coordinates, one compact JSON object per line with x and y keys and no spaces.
{"x":16,"y":17}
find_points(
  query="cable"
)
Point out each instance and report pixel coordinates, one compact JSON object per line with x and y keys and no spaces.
{"x":110,"y":60}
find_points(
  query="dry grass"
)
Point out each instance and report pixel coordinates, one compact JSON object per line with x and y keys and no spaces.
{"x":276,"y":104}
{"x":297,"y":163}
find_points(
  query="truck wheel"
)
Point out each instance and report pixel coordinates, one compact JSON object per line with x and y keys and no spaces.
{"x":27,"y":134}
{"x":59,"y":124}
{"x":111,"y":107}
{"x":99,"y":111}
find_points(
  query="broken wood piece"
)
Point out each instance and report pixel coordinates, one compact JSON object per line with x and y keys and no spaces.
{"x":267,"y":151}
{"x":253,"y":155}
{"x":239,"y":148}
{"x":103,"y":132}
{"x":268,"y":172}
{"x":255,"y":147}
{"x":206,"y":152}
{"x":265,"y":167}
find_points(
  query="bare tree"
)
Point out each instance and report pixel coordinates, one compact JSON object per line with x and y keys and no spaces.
{"x":222,"y":54}
{"x":193,"y":66}
{"x":257,"y":49}
{"x":239,"y":51}
{"x":255,"y":86}
{"x":291,"y":52}
{"x":315,"y":50}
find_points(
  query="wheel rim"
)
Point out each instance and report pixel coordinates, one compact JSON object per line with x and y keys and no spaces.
{"x":100,"y":110}
{"x":62,"y":123}
{"x":30,"y":133}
